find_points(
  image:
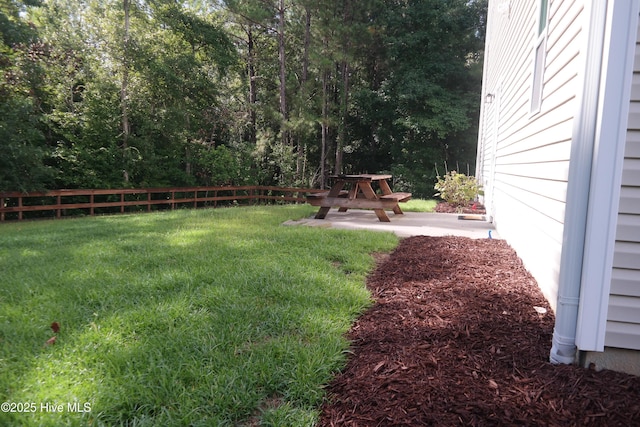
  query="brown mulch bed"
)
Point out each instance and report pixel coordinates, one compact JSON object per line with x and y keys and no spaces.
{"x":469,"y":208}
{"x":457,"y":336}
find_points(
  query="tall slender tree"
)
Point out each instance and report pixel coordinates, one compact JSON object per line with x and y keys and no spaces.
{"x":124,"y":87}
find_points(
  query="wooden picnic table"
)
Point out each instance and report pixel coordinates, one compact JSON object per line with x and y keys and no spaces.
{"x":360,"y":195}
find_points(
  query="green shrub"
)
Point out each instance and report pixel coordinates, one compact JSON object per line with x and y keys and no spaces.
{"x":457,"y":188}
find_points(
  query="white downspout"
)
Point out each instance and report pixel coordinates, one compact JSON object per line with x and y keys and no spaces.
{"x":563,"y":349}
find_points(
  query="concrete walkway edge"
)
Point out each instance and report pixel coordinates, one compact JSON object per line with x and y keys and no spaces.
{"x":406,"y":225}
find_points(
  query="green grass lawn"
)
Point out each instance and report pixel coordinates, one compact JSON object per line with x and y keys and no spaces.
{"x":419,"y":205}
{"x":193,"y":317}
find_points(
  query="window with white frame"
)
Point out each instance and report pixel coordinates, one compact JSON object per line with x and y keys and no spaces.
{"x":539,"y":56}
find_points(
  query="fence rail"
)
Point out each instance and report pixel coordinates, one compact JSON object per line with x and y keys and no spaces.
{"x":62,"y":203}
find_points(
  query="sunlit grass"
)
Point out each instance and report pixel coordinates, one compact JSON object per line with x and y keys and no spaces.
{"x":207,"y":317}
{"x":419,"y":205}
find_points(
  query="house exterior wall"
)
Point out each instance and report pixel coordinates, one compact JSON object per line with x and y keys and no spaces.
{"x":623,"y":319}
{"x":523,"y":156}
{"x":527,"y":154}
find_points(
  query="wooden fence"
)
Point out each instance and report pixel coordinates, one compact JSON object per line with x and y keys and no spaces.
{"x":64,"y":203}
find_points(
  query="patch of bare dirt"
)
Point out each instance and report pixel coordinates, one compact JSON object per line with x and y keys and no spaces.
{"x":458,"y":336}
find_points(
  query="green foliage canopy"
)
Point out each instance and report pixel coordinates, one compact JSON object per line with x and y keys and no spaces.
{"x":183,"y":93}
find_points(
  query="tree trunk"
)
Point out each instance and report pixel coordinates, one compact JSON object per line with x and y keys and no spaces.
{"x":123,"y":94}
{"x":187,"y":152}
{"x":344,"y":109}
{"x":303,"y":82}
{"x":252,"y":87}
{"x":344,"y":99}
{"x":325,"y":126}
{"x":307,"y":43}
{"x":282,"y":60}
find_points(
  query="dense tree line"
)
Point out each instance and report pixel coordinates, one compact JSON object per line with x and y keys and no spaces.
{"x":113,"y":93}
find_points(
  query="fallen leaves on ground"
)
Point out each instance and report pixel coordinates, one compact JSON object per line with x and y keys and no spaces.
{"x":55,"y":327}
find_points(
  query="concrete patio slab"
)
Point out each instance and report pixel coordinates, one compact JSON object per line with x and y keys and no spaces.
{"x":409,"y":224}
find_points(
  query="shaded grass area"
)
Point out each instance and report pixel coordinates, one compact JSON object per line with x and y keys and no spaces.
{"x":207,"y":317}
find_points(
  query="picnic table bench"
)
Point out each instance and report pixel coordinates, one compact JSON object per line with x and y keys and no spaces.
{"x":360,"y":195}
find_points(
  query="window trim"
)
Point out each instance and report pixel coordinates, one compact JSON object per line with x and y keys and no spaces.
{"x":539,"y":57}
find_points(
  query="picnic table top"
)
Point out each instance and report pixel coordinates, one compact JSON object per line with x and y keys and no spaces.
{"x":362,"y":177}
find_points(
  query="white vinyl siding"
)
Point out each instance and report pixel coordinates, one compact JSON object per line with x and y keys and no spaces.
{"x":623,"y":319}
{"x":530,"y":168}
